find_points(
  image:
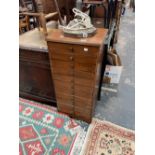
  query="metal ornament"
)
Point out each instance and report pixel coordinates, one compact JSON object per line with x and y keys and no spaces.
{"x":80,"y":26}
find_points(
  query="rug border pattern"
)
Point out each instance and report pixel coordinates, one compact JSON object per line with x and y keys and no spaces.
{"x":100,"y":124}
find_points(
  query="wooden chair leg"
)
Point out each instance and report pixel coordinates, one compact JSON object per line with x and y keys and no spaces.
{"x":43,"y":21}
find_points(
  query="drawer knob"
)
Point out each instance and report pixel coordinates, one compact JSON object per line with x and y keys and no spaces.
{"x":71,"y":58}
{"x":71,"y":48}
{"x":85,"y":49}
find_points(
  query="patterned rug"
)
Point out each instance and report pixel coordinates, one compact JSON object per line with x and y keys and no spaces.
{"x":105,"y":138}
{"x":44,"y":131}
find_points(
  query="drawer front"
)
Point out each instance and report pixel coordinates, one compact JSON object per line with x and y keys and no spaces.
{"x":82,"y":50}
{"x":82,"y":110}
{"x":62,"y":68}
{"x":65,"y":103}
{"x":64,"y":87}
{"x":80,"y":105}
{"x":84,"y":81}
{"x":60,"y":48}
{"x":69,"y":72}
{"x":62,"y":64}
{"x":73,"y":58}
{"x":84,"y":67}
{"x":68,"y":109}
{"x":83,"y":116}
{"x":62,"y":57}
{"x":73,"y":89}
{"x":65,"y":99}
{"x":59,"y":69}
{"x":84,"y":75}
{"x":85,"y":51}
{"x":85,"y":59}
{"x":83,"y":91}
{"x":83,"y":102}
{"x":65,"y":78}
{"x":58,"y":66}
{"x":62,"y":71}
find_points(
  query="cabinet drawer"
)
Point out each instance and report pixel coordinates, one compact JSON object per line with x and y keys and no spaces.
{"x":62,"y":57}
{"x":85,"y":67}
{"x":62,"y":71}
{"x":60,"y":48}
{"x":65,"y":99}
{"x":83,"y":102}
{"x":85,"y":59}
{"x":82,"y":110}
{"x":62,"y":64}
{"x":83,"y":116}
{"x":73,"y":58}
{"x":65,"y":78}
{"x":83,"y":91}
{"x":70,"y":66}
{"x":64,"y":87}
{"x":84,"y":75}
{"x":61,"y":67}
{"x":64,"y":108}
{"x":85,"y":51}
{"x":56,"y":48}
{"x":84,"y":81}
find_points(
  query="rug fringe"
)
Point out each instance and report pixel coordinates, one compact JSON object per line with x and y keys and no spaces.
{"x":79,"y":142}
{"x":86,"y":140}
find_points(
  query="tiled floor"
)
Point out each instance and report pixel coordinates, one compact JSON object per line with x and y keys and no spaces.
{"x":119,"y":107}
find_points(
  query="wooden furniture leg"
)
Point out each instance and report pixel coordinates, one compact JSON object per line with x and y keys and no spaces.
{"x":42,"y":19}
{"x":57,"y":9}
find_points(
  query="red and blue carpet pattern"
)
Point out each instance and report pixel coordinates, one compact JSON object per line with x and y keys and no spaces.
{"x":44,"y":131}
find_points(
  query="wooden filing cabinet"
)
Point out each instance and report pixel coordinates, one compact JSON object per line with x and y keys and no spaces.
{"x":75,"y":66}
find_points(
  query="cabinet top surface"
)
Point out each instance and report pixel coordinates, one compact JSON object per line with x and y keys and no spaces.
{"x":96,"y":40}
